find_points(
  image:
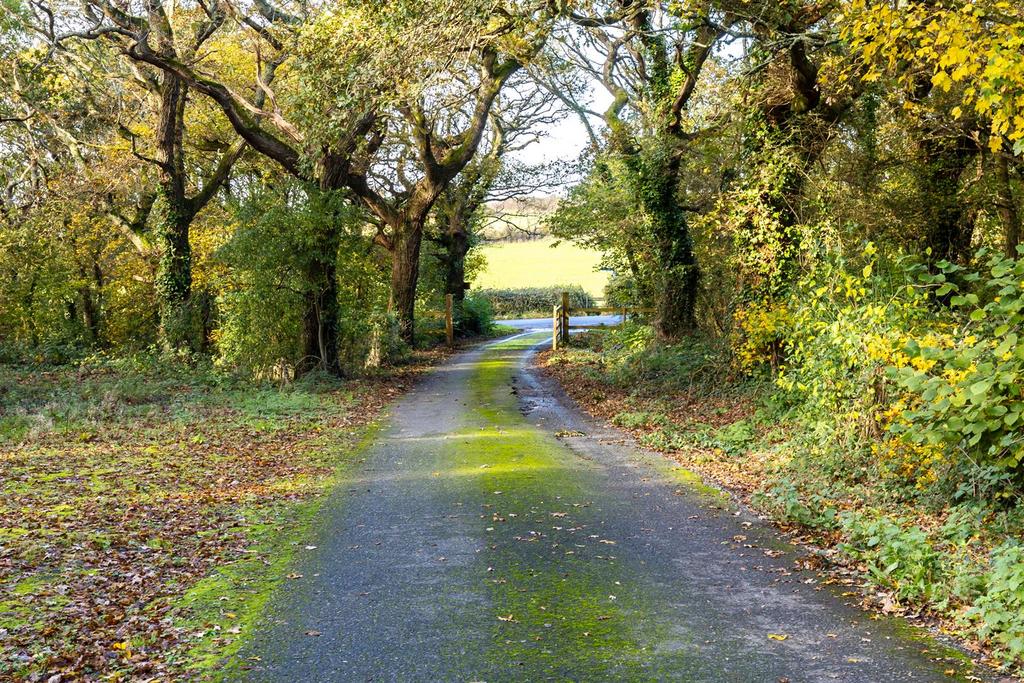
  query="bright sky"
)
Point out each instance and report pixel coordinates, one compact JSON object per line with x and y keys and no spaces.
{"x":565,"y":140}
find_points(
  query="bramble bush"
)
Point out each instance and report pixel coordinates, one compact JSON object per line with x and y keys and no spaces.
{"x":904,"y":383}
{"x":925,"y":366}
{"x":967,"y":384}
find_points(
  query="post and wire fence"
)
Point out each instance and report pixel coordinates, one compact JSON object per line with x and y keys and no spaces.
{"x":561,"y":325}
{"x":447,"y":315}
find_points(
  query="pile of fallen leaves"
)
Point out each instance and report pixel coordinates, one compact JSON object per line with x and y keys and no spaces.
{"x":109,"y":516}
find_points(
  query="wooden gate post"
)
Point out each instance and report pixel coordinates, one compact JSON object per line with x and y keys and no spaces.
{"x":556,"y":318}
{"x":449,"y":323}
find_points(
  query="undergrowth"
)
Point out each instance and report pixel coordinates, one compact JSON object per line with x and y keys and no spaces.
{"x":946,"y":542}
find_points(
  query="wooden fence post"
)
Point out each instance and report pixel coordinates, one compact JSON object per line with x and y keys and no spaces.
{"x":556,"y":318}
{"x":449,"y":323}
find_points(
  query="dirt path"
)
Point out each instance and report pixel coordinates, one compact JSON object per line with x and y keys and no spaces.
{"x":496,"y":535}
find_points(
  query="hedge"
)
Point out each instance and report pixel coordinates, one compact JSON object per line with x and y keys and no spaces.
{"x":523,"y":300}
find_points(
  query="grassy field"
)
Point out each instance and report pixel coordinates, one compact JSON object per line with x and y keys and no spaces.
{"x":538,"y":263}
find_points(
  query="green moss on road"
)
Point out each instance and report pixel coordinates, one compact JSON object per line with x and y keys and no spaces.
{"x":220,"y":613}
{"x":565,"y":604}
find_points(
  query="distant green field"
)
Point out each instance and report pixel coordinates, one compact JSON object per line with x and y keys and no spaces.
{"x":539,"y":264}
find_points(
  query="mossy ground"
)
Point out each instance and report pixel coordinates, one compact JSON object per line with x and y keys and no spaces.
{"x":565,"y":603}
{"x":222,"y":610}
{"x":123,"y":484}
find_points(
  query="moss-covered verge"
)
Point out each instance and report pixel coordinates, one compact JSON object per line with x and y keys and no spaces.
{"x":954,"y":563}
{"x":219,"y":613}
{"x":147,"y":509}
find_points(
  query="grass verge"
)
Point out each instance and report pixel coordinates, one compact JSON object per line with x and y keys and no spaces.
{"x":148,"y":510}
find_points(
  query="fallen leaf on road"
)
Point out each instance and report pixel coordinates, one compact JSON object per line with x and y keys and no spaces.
{"x":778,"y":636}
{"x":313,"y":633}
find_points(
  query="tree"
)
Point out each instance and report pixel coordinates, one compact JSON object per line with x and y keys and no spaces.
{"x":359,"y":100}
{"x":160,"y":136}
{"x":961,"y":65}
{"x":491,"y":177}
{"x":652,"y":56}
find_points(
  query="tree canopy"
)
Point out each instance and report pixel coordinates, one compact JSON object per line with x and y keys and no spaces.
{"x":732,"y":145}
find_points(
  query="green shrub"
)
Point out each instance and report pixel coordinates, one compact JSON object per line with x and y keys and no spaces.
{"x":920,"y":371}
{"x":968,"y":380}
{"x":633,"y":420}
{"x":784,"y":500}
{"x":897,"y":557}
{"x":622,"y":290}
{"x":998,"y":612}
{"x":475,"y":316}
{"x":276,"y":262}
{"x":539,"y":300}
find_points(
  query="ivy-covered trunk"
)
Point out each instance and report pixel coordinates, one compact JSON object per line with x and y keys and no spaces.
{"x":950,"y":228}
{"x":405,"y":271}
{"x":173,"y":216}
{"x":320,"y":323}
{"x":677,"y":301}
{"x":174,"y":277}
{"x":90,"y":299}
{"x":320,"y":320}
{"x":456,"y":247}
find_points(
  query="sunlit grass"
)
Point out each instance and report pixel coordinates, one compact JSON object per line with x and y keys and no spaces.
{"x":538,"y":263}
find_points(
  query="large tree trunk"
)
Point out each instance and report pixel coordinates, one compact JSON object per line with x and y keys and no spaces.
{"x":173,"y":220}
{"x":677,"y":304}
{"x":1006,"y":207}
{"x":949,"y":228}
{"x":456,"y":248}
{"x":174,"y":278}
{"x":405,"y":272}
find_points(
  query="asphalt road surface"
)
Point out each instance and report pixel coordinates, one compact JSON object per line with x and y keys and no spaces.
{"x":531,"y":324}
{"x":495,"y":534}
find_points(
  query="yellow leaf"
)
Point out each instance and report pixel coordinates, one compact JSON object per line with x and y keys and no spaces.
{"x":942,"y":80}
{"x":778,"y":636}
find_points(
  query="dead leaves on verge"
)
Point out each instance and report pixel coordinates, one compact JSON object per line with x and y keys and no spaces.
{"x":101,"y":535}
